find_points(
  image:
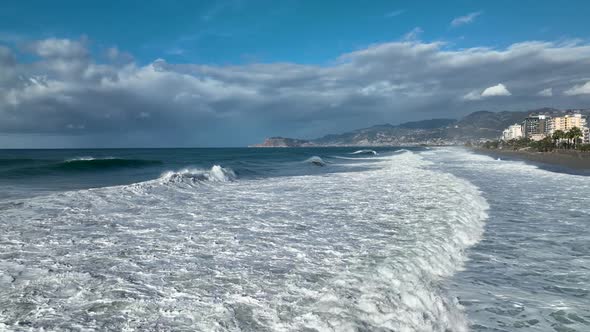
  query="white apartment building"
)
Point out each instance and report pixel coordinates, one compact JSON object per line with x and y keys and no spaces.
{"x":512,"y":132}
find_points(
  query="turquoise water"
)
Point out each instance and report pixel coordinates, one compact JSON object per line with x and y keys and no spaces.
{"x":330,"y":239}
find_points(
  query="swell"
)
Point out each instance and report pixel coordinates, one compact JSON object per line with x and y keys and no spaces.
{"x":17,"y":161}
{"x":91,"y":164}
{"x":30,"y":167}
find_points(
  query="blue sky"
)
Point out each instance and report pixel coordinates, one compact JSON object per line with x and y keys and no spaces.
{"x":233,"y":32}
{"x":230,"y":73}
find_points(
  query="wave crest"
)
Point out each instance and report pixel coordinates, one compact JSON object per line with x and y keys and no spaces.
{"x":192,"y":176}
{"x":373,"y":152}
{"x":316,"y":161}
{"x":90,"y":163}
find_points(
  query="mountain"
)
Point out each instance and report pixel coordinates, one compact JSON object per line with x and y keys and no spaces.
{"x":419,"y":132}
{"x":484,"y":125}
{"x":476,"y":126}
{"x":427,"y":124}
{"x":283,"y":142}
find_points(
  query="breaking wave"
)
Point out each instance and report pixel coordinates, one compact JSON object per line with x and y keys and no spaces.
{"x":373,"y":152}
{"x":366,"y":250}
{"x":316,"y":161}
{"x":215,"y":174}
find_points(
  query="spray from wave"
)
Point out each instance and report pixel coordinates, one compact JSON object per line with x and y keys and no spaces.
{"x":194,"y":176}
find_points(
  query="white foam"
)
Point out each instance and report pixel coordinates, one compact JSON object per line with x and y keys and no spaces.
{"x":338,"y":251}
{"x":87,"y":158}
{"x":194,"y":175}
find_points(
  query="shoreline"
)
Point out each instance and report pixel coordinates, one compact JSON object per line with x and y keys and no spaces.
{"x":559,"y":160}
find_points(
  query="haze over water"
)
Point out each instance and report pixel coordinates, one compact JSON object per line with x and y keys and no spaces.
{"x":318,"y":239}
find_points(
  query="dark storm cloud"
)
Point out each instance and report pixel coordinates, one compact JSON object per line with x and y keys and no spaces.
{"x":65,"y":92}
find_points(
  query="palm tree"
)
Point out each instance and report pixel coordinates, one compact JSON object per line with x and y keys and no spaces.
{"x":574,"y":134}
{"x":569,"y":137}
{"x":557,"y":136}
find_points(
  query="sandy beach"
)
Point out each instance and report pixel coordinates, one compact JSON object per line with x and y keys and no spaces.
{"x":574,"y":160}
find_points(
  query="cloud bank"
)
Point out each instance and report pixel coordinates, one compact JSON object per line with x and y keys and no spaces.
{"x":65,"y":91}
{"x":546,"y":92}
{"x":582,"y":89}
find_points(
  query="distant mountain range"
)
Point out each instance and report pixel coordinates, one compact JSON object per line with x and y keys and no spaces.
{"x":477,"y":126}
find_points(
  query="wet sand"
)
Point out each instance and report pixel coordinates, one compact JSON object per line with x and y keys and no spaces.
{"x":561,"y":160}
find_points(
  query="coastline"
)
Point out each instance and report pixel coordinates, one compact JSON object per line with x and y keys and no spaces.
{"x":559,"y":160}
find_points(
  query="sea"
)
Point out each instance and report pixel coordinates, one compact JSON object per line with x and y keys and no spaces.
{"x":297,"y":239}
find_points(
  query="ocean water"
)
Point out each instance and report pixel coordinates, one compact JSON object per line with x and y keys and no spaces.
{"x":334,"y":239}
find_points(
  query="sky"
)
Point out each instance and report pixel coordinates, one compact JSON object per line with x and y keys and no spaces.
{"x":232,"y":72}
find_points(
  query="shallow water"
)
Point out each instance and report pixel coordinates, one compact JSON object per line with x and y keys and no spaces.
{"x":404,"y":240}
{"x":531,"y":270}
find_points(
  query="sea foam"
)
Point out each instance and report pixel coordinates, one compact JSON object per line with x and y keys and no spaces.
{"x":339,"y":251}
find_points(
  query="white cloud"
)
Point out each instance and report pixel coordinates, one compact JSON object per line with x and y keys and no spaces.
{"x":473,"y":95}
{"x":546,"y":92}
{"x":383,"y":88}
{"x":492,"y":91}
{"x":462,"y":20}
{"x":387,"y":82}
{"x":6,"y":56}
{"x":395,"y":13}
{"x":496,"y":90}
{"x":53,"y":47}
{"x":583,"y":89}
{"x":175,"y":51}
{"x":413,"y":34}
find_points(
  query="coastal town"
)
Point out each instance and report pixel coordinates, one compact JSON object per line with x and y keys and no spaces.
{"x":559,"y":138}
{"x":546,"y":132}
{"x":537,"y":127}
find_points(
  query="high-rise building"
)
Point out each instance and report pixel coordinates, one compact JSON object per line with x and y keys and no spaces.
{"x":567,"y":122}
{"x":535,"y":126}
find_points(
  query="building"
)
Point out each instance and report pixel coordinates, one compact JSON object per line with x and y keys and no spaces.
{"x":567,"y":122}
{"x":586,"y":137}
{"x":537,"y":126}
{"x":512,"y":132}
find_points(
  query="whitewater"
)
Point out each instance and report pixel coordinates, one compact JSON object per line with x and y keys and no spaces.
{"x":400,"y":240}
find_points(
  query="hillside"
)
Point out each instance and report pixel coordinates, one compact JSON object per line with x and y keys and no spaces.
{"x":283,"y":142}
{"x":476,"y":126}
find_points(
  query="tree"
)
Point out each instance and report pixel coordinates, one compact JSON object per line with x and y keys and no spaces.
{"x":557,"y":136}
{"x":544,"y":145}
{"x":574,"y":134}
